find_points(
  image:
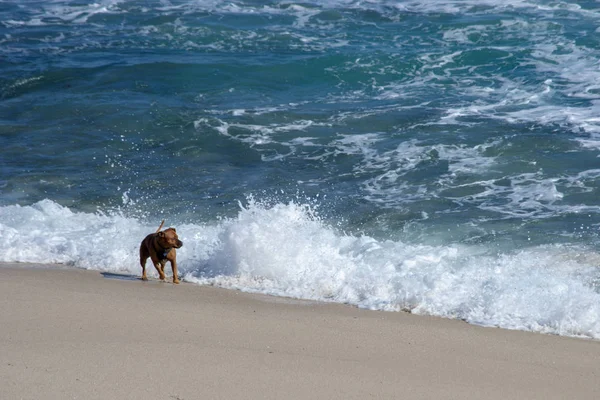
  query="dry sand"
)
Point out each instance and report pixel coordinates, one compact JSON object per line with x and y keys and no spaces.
{"x":74,"y":334}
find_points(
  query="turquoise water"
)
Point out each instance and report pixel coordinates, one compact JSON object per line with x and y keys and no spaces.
{"x":440,"y":157}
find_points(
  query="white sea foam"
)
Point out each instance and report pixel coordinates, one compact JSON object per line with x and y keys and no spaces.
{"x":390,"y":187}
{"x":257,"y":136}
{"x":531,"y":195}
{"x":571,"y":70}
{"x":389,"y":8}
{"x":66,"y":11}
{"x":286,"y":250}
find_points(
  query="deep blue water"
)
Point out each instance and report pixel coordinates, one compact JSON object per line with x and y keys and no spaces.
{"x":434,"y":156}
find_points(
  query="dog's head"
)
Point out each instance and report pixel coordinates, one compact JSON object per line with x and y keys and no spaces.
{"x":168,"y":239}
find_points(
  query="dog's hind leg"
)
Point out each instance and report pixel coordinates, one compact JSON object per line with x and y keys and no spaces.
{"x":143,"y":263}
{"x":143,"y":258}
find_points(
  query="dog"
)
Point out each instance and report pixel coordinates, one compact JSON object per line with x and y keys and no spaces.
{"x":160,"y":247}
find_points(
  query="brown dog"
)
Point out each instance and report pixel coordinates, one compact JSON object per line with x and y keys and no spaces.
{"x":160,"y":247}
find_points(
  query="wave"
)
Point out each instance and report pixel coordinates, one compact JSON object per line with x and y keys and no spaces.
{"x":287,"y":250}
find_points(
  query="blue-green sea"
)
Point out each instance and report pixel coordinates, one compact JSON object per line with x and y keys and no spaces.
{"x":437,"y":157}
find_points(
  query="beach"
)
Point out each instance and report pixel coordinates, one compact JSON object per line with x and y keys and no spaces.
{"x":76,"y":334}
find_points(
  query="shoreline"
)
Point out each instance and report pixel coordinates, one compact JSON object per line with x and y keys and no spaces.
{"x":72,"y":333}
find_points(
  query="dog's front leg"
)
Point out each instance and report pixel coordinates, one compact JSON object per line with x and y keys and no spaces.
{"x":159,"y":268}
{"x":174,"y":268}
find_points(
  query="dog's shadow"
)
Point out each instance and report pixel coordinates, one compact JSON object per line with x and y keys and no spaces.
{"x":123,"y":277}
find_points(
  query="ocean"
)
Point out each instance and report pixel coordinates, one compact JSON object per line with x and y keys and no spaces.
{"x":436,"y":157}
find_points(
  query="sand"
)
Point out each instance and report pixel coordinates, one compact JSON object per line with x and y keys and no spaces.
{"x":74,"y":334}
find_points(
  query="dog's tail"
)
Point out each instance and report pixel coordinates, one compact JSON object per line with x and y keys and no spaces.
{"x":161,"y":225}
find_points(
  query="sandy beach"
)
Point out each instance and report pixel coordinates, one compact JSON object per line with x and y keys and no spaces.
{"x":75,"y":334}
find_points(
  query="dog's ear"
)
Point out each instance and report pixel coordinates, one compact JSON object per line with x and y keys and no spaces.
{"x":161,"y":234}
{"x":173,"y":230}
